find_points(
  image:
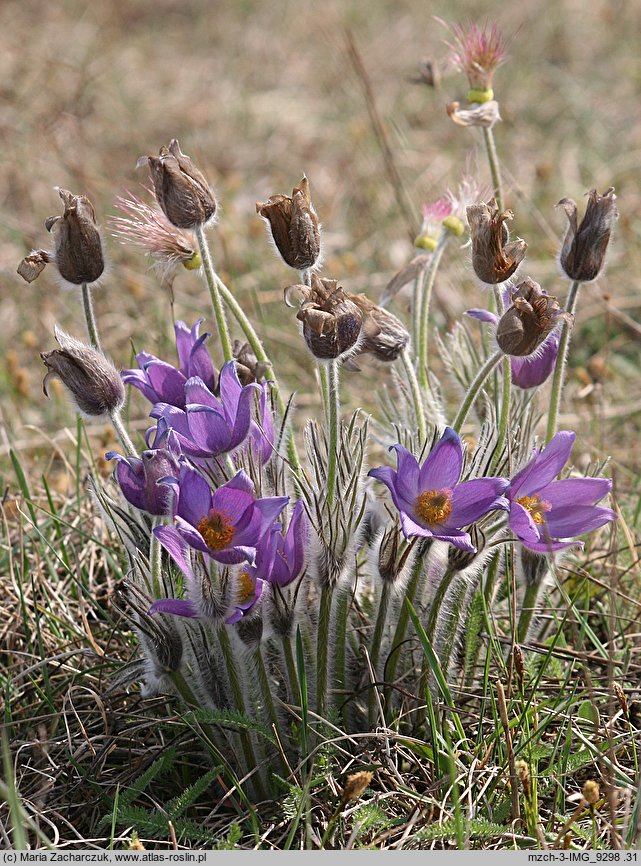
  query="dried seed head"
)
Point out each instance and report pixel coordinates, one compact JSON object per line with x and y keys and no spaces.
{"x":621,"y":698}
{"x":494,"y":257}
{"x":181,"y":189}
{"x":385,"y":336}
{"x":527,"y":323}
{"x":484,"y":114}
{"x":519,"y":665}
{"x":356,"y":785}
{"x":93,"y":381}
{"x":585,"y":245}
{"x":248,"y":367}
{"x":294,"y":226}
{"x":78,"y":246}
{"x":331,"y":321}
{"x":591,"y":792}
{"x":522,"y":770}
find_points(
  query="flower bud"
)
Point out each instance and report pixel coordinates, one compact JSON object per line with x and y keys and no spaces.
{"x":181,"y":189}
{"x":248,"y":367}
{"x":393,"y":553}
{"x":93,"y":381}
{"x":78,"y":252}
{"x":585,"y":245}
{"x":526,"y":324}
{"x":385,"y":335}
{"x":459,"y":560}
{"x":294,"y":226}
{"x":331,"y":321}
{"x":494,"y":257}
{"x":138,"y":479}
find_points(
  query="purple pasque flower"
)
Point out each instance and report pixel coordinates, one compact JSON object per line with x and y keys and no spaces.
{"x":225,"y":524}
{"x":138,"y":478}
{"x":280,"y":559}
{"x":543,"y":511}
{"x":261,"y":434}
{"x":245,"y":588}
{"x":208,"y":425}
{"x":161,"y":382}
{"x":532,"y":370}
{"x":431,"y":500}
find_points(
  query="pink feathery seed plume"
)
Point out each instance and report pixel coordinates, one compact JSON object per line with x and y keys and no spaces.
{"x":147,"y":227}
{"x":477,"y":51}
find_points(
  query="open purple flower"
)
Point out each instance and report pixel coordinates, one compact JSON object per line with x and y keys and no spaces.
{"x":245,"y":590}
{"x":543,"y":511}
{"x":160,"y":382}
{"x":532,"y":370}
{"x":138,"y":478}
{"x":431,"y":501}
{"x":280,"y":559}
{"x":225,"y":524}
{"x":208,"y":425}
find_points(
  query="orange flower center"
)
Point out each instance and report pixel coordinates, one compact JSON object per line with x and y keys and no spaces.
{"x":536,"y":507}
{"x":217,"y":530}
{"x":434,"y":506}
{"x":246,"y":587}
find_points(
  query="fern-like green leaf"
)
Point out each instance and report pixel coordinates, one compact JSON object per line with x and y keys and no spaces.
{"x":188,"y":797}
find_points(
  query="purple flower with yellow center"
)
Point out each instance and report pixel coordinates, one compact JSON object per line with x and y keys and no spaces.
{"x":431,"y":501}
{"x":245,"y":590}
{"x":224,"y":524}
{"x":161,"y":382}
{"x":208,"y":425}
{"x":138,"y":478}
{"x":280,"y":559}
{"x":532,"y":370}
{"x":544,"y":511}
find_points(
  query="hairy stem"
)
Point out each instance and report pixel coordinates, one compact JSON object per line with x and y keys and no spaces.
{"x":426,"y":297}
{"x":333,"y":432}
{"x":322,"y":649}
{"x":90,"y":318}
{"x":558,"y":379}
{"x":213,"y":282}
{"x":505,"y":414}
{"x":419,"y":408}
{"x":375,"y":645}
{"x":401,"y":626}
{"x":532,"y":592}
{"x":343,"y":599}
{"x":294,"y":689}
{"x":155,"y":561}
{"x":475,"y":387}
{"x":121,"y":432}
{"x":493,"y":161}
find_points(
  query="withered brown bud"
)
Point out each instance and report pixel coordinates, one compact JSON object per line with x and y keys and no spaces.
{"x":181,"y":189}
{"x":591,"y":793}
{"x":93,"y":381}
{"x":385,"y":336}
{"x":494,"y":257}
{"x":294,"y":226}
{"x":585,"y":245}
{"x":484,"y":114}
{"x":78,"y":246}
{"x":526,"y":324}
{"x":248,"y":367}
{"x":331,"y":321}
{"x":356,"y":785}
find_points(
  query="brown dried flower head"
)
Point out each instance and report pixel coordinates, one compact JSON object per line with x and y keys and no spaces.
{"x":585,"y":245}
{"x":34,"y":264}
{"x":494,"y":257}
{"x":78,"y":245}
{"x":591,"y":793}
{"x":331,"y":321}
{"x":93,"y":382}
{"x":248,"y":367}
{"x":526,"y":324}
{"x":385,"y":336}
{"x":294,"y":226}
{"x":181,"y":189}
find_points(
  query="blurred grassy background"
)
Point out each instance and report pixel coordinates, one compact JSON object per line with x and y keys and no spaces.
{"x":259,"y":93}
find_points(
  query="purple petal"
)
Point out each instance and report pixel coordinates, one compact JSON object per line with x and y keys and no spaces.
{"x":522,"y":525}
{"x":167,"y":382}
{"x":461,"y":540}
{"x":200,"y":363}
{"x":577,"y":520}
{"x":184,"y":341}
{"x":532,"y":371}
{"x":442,"y":467}
{"x":230,"y":387}
{"x":131,"y":479}
{"x":234,"y":555}
{"x":269,"y":509}
{"x":473,"y":499}
{"x":242,"y":417}
{"x":406,"y":479}
{"x":544,"y":468}
{"x":176,"y":547}
{"x":410,"y":527}
{"x":198,"y":394}
{"x":191,"y":536}
{"x":576,"y":491}
{"x":138,"y":379}
{"x":209,"y":431}
{"x":175,"y":606}
{"x":483,"y":316}
{"x":550,"y":546}
{"x":195,"y":497}
{"x":241,"y":481}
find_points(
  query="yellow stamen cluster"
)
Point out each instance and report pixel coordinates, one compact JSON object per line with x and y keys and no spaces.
{"x":434,"y":506}
{"x":246,"y":587}
{"x":536,"y":507}
{"x":217,"y":530}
